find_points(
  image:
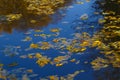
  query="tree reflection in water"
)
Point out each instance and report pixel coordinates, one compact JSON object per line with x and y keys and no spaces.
{"x":28,"y":20}
{"x":25,"y":24}
{"x":108,"y":74}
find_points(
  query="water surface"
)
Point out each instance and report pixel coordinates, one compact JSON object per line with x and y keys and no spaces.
{"x":67,"y":19}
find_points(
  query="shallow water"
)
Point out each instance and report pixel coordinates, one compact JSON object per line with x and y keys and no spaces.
{"x":12,"y":45}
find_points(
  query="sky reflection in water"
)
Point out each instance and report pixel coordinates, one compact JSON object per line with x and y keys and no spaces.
{"x":69,"y":23}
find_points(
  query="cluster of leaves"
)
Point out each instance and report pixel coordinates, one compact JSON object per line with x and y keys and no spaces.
{"x":28,"y":8}
{"x":67,"y":77}
{"x":44,"y":7}
{"x":32,"y":12}
{"x":110,"y":34}
{"x":24,"y":7}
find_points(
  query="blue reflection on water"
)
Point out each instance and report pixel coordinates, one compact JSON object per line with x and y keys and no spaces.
{"x":68,"y":25}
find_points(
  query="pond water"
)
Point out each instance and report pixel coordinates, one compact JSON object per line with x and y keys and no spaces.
{"x":18,"y":46}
